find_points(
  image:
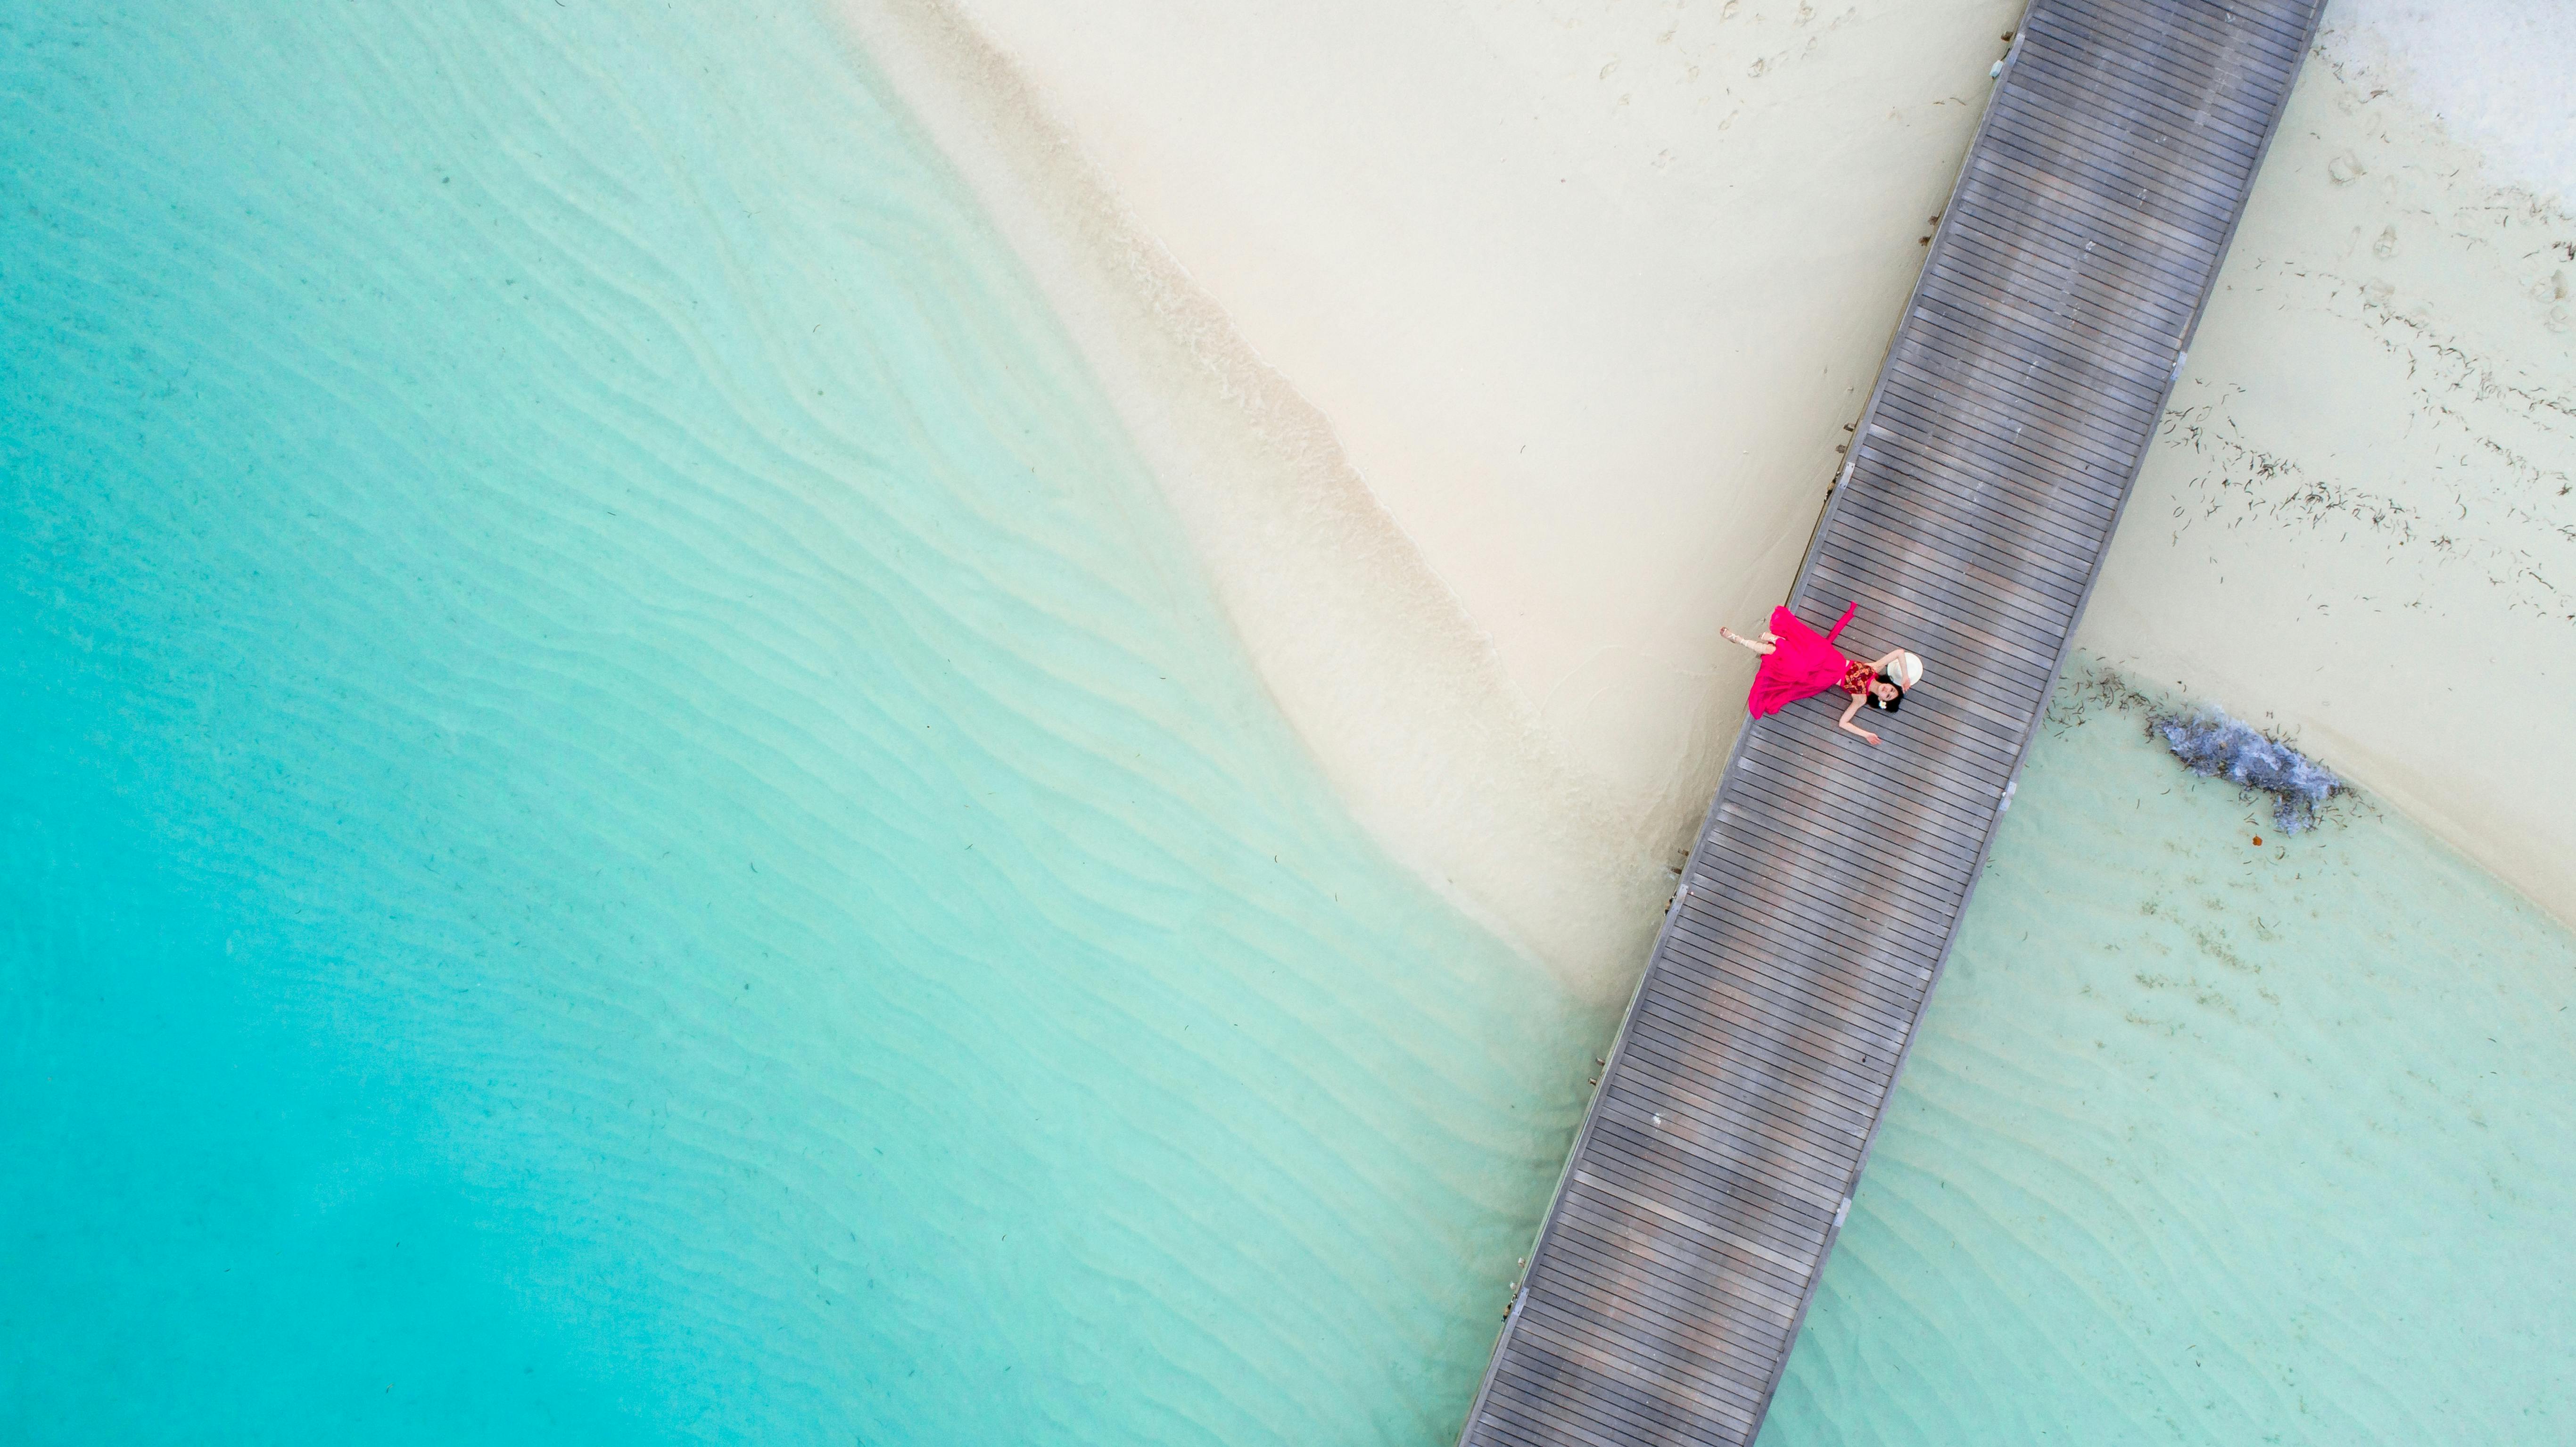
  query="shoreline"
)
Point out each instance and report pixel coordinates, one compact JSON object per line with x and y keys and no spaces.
{"x":1507,"y":667}
{"x":2358,"y":528}
{"x":1482,"y":435}
{"x":1360,"y":643}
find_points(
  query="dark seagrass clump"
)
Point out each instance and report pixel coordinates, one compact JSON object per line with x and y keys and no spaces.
{"x":2214,"y":746}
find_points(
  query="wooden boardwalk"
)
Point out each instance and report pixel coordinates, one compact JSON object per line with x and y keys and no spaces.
{"x":2021,"y":392}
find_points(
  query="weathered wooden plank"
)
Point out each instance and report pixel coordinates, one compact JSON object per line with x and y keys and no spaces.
{"x":1802,"y":938}
{"x":1750,"y":1296}
{"x":1627,"y":1364}
{"x":1878,"y":965}
{"x":2197,"y":105}
{"x":2021,"y":336}
{"x":1943,"y":370}
{"x":1736,"y":1225}
{"x":1825,"y":875}
{"x":1704,"y":1124}
{"x":1936,"y":382}
{"x":1862,"y":794}
{"x":1829,"y":1039}
{"x":1673,"y":1086}
{"x":2042,"y":139}
{"x":1855,"y":1073}
{"x":1720,"y":1036}
{"x":1820,"y":867}
{"x":1746,"y":1280}
{"x":1558,"y":1408}
{"x":2023,"y":183}
{"x":1962,"y":471}
{"x":1654,"y":1311}
{"x":1776,"y":1227}
{"x":1943,"y":780}
{"x":2195,"y":165}
{"x":1671,"y":1067}
{"x":1780,"y":907}
{"x":1826,"y":998}
{"x":1967,"y":406}
{"x":2133,"y":344}
{"x":2011,"y":452}
{"x":1990,"y":607}
{"x":2014,"y":177}
{"x":1932,"y":464}
{"x":2166,"y":45}
{"x":1753,"y":1207}
{"x":2212,"y":34}
{"x":1567,"y":1416}
{"x":2026,"y":378}
{"x":1936,"y":622}
{"x":2129,"y":286}
{"x":1704,"y":1102}
{"x":1751,"y":803}
{"x":2156,"y":191}
{"x":1931,"y":393}
{"x":1937,"y":774}
{"x":1987,"y":496}
{"x":1980,"y":331}
{"x":1681,"y":1063}
{"x":1644,"y":1327}
{"x":1856,"y":788}
{"x":2017,"y":220}
{"x":2111,"y":86}
{"x":1838,"y":773}
{"x":1540,"y":1416}
{"x":1922,"y":479}
{"x":1714,"y":1044}
{"x":1955,"y":611}
{"x":2013,"y":590}
{"x":1659,"y":1266}
{"x":1763,"y":951}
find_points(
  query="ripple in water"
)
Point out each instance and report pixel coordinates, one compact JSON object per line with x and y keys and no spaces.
{"x":2206,"y":1142}
{"x":626,"y":820}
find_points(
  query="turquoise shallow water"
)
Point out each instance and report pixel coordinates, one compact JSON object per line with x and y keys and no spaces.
{"x":2208,"y":1143}
{"x":625,"y":821}
{"x":625,"y":818}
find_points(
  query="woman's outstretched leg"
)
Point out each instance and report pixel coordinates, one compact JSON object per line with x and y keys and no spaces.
{"x":1769,"y":641}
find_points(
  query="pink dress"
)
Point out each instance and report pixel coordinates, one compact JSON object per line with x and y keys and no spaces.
{"x":1801,"y":665}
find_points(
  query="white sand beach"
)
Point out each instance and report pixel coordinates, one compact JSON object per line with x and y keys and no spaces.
{"x":2361,"y":523}
{"x":1496,"y":353}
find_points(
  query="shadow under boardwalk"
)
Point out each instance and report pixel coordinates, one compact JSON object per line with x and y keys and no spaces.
{"x":2020,"y":395}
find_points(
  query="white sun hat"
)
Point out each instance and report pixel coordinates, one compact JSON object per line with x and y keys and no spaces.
{"x":1907,"y":671}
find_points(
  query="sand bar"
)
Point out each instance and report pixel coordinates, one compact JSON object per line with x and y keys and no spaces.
{"x":1496,"y":353}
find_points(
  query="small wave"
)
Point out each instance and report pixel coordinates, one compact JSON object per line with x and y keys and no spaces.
{"x":2488,"y":68}
{"x":2215,"y":746}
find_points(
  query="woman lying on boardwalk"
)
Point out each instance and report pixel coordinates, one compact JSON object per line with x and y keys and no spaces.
{"x":1797,"y":664}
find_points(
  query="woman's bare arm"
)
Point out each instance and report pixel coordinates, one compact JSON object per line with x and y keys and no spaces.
{"x":1846,"y":725}
{"x":1888,"y":662}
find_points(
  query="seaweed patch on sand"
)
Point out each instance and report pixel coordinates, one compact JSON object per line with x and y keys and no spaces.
{"x":2205,"y":739}
{"x":2215,"y":746}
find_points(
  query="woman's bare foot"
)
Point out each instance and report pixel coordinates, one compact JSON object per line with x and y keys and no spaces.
{"x":1769,"y":640}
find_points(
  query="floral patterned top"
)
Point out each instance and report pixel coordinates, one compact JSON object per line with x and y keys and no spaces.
{"x":1857,"y":677}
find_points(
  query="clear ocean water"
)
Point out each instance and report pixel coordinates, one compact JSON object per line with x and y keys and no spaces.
{"x":625,"y":821}
{"x":2204,"y":1142}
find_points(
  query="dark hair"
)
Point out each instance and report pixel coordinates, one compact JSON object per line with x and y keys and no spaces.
{"x":1884,"y":705}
